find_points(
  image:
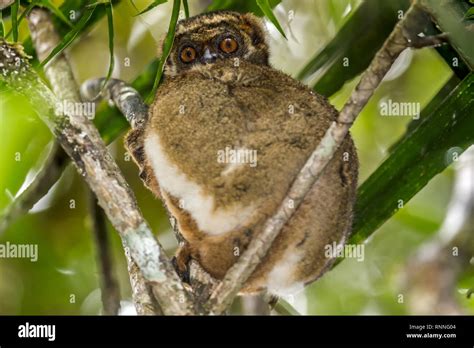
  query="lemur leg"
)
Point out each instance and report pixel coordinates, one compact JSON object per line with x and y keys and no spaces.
{"x":120,"y":94}
{"x":181,"y":260}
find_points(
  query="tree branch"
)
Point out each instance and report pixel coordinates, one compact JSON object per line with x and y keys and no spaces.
{"x":110,"y":291}
{"x":82,"y":142}
{"x":61,"y":78}
{"x":142,"y":292}
{"x":400,"y":39}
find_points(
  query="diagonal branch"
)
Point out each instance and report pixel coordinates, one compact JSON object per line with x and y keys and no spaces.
{"x":82,"y":142}
{"x":59,"y":73}
{"x":401,"y":38}
{"x":45,"y":178}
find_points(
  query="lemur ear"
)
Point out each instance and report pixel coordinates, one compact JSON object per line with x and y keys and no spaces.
{"x":254,"y":26}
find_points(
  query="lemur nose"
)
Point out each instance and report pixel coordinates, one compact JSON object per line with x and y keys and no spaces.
{"x":208,"y":56}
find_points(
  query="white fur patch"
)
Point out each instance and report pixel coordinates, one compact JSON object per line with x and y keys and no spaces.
{"x":199,"y":205}
{"x":236,"y":158}
{"x":232,"y":167}
{"x":280,"y":280}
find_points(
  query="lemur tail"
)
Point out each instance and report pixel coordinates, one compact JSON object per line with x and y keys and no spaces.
{"x":119,"y":93}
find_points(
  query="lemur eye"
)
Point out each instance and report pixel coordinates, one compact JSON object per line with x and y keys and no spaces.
{"x":228,"y":45}
{"x":188,"y":54}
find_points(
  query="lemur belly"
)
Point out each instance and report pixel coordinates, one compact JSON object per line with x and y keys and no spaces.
{"x":215,"y":223}
{"x":217,"y":237}
{"x":191,"y":196}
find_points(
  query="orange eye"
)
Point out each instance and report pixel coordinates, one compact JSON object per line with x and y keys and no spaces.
{"x":229,"y":45}
{"x":188,"y":54}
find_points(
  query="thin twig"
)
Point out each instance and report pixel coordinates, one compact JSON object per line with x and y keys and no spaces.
{"x":45,"y":178}
{"x":237,"y":275}
{"x":82,"y":142}
{"x":284,"y":308}
{"x":110,"y":291}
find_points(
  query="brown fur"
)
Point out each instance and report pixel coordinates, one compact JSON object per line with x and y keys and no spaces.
{"x":256,"y":107}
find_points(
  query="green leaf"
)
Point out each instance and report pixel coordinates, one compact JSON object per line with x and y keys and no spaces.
{"x":426,"y":151}
{"x":267,"y":10}
{"x":449,"y":16}
{"x":110,"y":26}
{"x":167,"y":44}
{"x":134,"y":6}
{"x":100,"y":2}
{"x":23,"y":15}
{"x":2,"y":28}
{"x":284,"y":308}
{"x":57,"y":12}
{"x":69,"y":37}
{"x":439,"y":98}
{"x":14,"y":9}
{"x":469,"y":14}
{"x":151,"y":6}
{"x":355,"y":43}
{"x":67,"y":7}
{"x":186,"y":8}
{"x":219,"y":5}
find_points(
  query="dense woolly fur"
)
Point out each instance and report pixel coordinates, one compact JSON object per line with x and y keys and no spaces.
{"x":202,"y":110}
